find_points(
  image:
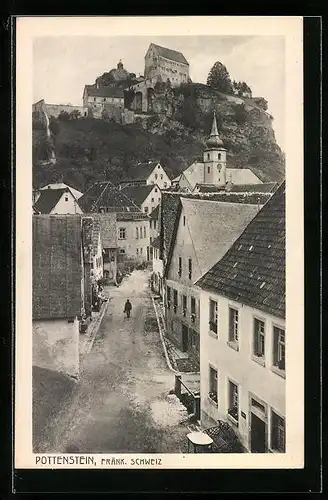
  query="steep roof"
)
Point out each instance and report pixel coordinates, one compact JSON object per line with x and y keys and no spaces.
{"x":242,"y":176}
{"x":213,"y":227}
{"x":62,"y":185}
{"x":106,"y":225}
{"x":173,"y":55}
{"x":93,"y":91}
{"x":48,"y":199}
{"x":253,"y":270}
{"x":268,"y":187}
{"x":138,"y":194}
{"x":169,"y":210}
{"x":141,"y":171}
{"x":57,"y":266}
{"x":105,"y":194}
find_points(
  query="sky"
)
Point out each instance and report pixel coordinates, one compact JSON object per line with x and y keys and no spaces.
{"x":62,"y":65}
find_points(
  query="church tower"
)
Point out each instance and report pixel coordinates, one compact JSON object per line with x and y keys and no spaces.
{"x":215,"y":158}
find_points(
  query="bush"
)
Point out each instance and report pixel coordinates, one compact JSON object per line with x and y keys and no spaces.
{"x":240,"y":114}
{"x":63,"y":115}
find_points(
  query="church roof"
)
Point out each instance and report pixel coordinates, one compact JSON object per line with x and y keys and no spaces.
{"x":173,"y":55}
{"x":214,"y":141}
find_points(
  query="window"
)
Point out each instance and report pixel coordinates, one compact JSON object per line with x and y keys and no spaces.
{"x":122,"y":233}
{"x":141,"y":250}
{"x":259,"y":332}
{"x":175,"y":300}
{"x":279,"y":348}
{"x":122,"y":250}
{"x":208,"y":169}
{"x":146,"y":210}
{"x":193,"y":309}
{"x":233,"y":400}
{"x":219,"y":156}
{"x":162,"y":176}
{"x":168,"y":297}
{"x":190,"y":268}
{"x":233,"y":325}
{"x":156,"y":176}
{"x":155,"y":223}
{"x":94,"y":99}
{"x":66,"y":197}
{"x":184,"y":305}
{"x":152,"y":200}
{"x":156,"y":190}
{"x":277,"y":432}
{"x":137,"y":233}
{"x":144,"y":231}
{"x":213,"y":385}
{"x":180,"y":267}
{"x":213,"y":316}
{"x":165,"y":184}
{"x":208,"y":156}
{"x":137,"y":251}
{"x":104,"y":99}
{"x":140,"y":232}
{"x":184,"y":220}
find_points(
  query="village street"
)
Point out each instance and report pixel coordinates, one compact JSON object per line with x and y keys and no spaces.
{"x":122,"y":401}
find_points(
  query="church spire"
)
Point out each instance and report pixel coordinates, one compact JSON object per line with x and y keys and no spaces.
{"x":214,"y":140}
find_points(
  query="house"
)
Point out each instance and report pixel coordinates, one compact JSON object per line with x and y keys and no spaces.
{"x":154,"y":223}
{"x":147,"y":197}
{"x":106,"y":226}
{"x":148,"y":173}
{"x":157,"y":273}
{"x":213,"y":169}
{"x":242,"y":326}
{"x":57,"y":201}
{"x":104,"y":102}
{"x":203,"y":231}
{"x":166,"y":63}
{"x":132,"y":224}
{"x":59,"y":290}
{"x":62,"y":185}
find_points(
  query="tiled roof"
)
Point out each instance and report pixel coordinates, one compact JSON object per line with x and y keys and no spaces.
{"x":155,"y":213}
{"x":141,"y":171}
{"x":62,"y":185}
{"x":173,"y":55}
{"x":106,"y":224}
{"x":57,"y":266}
{"x":253,"y":270}
{"x":213,"y":227}
{"x":48,"y":199}
{"x":268,"y":187}
{"x":104,"y":91}
{"x":242,"y":176}
{"x":138,"y":194}
{"x":132,"y":216}
{"x":105,"y":194}
{"x":169,"y":209}
{"x":208,"y":188}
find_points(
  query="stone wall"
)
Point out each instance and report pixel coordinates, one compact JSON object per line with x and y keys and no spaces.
{"x":56,"y":345}
{"x":55,"y":109}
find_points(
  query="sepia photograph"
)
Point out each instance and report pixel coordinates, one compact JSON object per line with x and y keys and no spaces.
{"x":158,"y":308}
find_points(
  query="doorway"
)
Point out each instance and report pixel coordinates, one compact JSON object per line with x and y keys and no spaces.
{"x":184,"y":338}
{"x":258,"y":438}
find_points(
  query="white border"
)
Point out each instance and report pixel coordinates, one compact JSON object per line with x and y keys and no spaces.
{"x":289,"y":27}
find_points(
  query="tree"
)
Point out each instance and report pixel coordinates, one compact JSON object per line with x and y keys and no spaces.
{"x":54,"y":126}
{"x":63,"y":115}
{"x":219,"y":78}
{"x":240,"y":114}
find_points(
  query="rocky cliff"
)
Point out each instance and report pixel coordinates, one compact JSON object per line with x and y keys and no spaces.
{"x":174,"y":133}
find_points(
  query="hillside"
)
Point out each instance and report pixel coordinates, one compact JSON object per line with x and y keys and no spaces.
{"x":88,"y":149}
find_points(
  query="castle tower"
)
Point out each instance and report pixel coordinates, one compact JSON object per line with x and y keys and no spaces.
{"x":215,"y":158}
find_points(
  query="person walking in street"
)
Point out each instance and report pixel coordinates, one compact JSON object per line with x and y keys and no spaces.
{"x":127,"y":308}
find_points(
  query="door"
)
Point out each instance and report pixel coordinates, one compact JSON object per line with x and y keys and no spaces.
{"x":257,"y":434}
{"x":184,"y":338}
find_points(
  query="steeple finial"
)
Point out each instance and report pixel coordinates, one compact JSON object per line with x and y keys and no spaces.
{"x":214,"y":140}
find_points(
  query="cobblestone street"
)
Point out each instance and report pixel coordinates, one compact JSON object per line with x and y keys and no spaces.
{"x":122,"y":402}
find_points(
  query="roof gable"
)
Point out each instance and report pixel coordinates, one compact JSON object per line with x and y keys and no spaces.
{"x":253,"y":270}
{"x":105,"y":194}
{"x":138,"y":194}
{"x":171,"y":54}
{"x":212,"y":228}
{"x":141,"y":171}
{"x":57,"y":266}
{"x":49,"y":198}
